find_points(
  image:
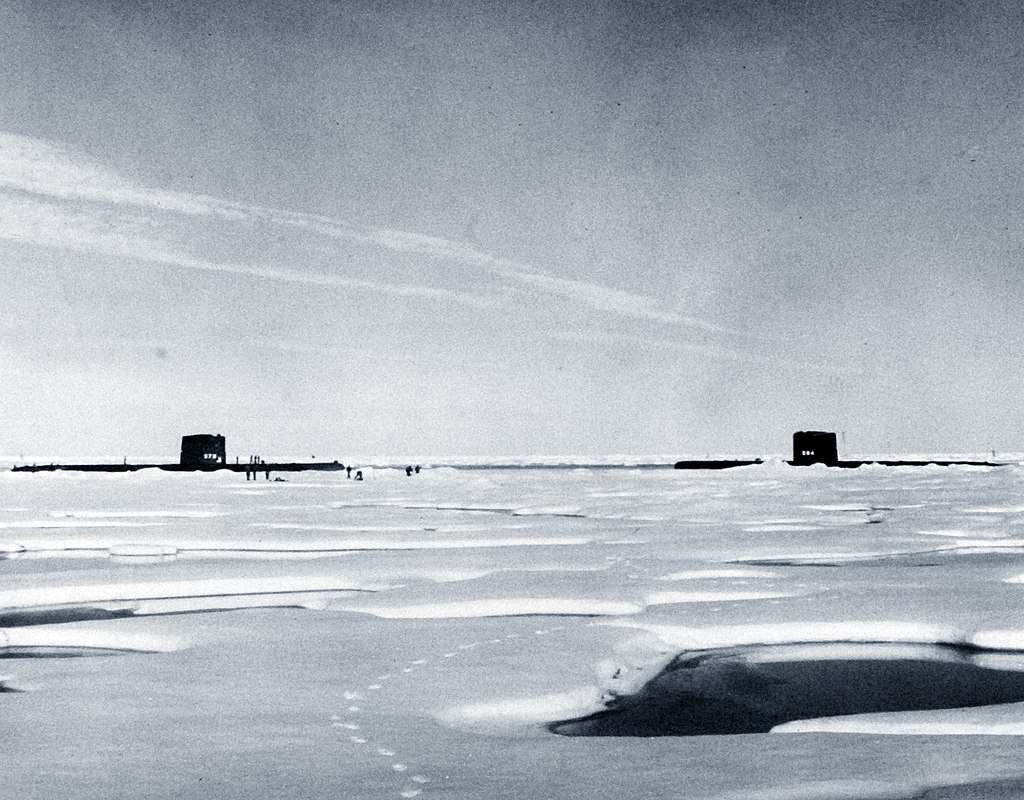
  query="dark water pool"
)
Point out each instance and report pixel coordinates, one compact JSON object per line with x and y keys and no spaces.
{"x":751,"y":690}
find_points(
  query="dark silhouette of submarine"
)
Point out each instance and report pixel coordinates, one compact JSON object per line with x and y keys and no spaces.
{"x":205,"y":452}
{"x":201,"y":452}
{"x":819,"y":447}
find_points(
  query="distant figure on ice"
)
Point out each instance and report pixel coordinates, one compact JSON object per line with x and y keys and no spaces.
{"x":348,"y":472}
{"x":264,"y":463}
{"x":417,"y":470}
{"x":408,"y":471}
{"x":359,"y":474}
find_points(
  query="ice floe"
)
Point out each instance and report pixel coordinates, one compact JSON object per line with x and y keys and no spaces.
{"x":713,"y":574}
{"x":829,"y":790}
{"x":44,"y":639}
{"x":165,"y":590}
{"x":181,"y":513}
{"x":1007,"y":509}
{"x":907,"y":723}
{"x":506,"y":715}
{"x":72,"y":522}
{"x":722,"y":596}
{"x":502,"y":607}
{"x":690,"y":638}
{"x":140,"y":552}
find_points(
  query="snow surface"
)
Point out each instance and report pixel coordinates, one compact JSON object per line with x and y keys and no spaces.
{"x":409,"y":637}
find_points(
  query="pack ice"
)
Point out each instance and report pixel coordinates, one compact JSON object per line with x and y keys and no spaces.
{"x":760,"y":632}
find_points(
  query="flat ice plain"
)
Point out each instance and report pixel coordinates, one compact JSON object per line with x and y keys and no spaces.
{"x":411,"y":637}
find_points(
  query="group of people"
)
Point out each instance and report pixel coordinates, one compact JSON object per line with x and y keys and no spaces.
{"x":256,"y":464}
{"x":411,"y":470}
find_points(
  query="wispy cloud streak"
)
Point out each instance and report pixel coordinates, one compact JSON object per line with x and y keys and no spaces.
{"x":53,"y":170}
{"x":32,"y":221}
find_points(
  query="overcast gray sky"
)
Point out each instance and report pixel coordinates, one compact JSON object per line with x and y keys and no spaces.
{"x":479,"y":228}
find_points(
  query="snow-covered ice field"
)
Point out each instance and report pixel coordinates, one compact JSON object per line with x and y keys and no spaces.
{"x":411,"y":637}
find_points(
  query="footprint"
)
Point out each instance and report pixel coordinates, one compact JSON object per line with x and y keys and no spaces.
{"x":383,"y":751}
{"x":373,"y":687}
{"x":450,"y":655}
{"x":494,"y":641}
{"x":407,"y":669}
{"x":357,"y":740}
{"x":352,"y":696}
{"x":410,"y":792}
{"x":399,"y":767}
{"x":384,"y":677}
{"x":354,"y":709}
{"x":419,"y":661}
{"x":420,"y":779}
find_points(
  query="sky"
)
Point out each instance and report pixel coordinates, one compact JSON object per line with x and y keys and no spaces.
{"x":452,"y":228}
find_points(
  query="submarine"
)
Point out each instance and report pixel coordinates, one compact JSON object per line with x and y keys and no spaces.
{"x":200,"y":452}
{"x":819,"y":447}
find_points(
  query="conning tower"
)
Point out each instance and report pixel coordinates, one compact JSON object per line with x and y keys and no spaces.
{"x":815,"y":447}
{"x":203,"y":450}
